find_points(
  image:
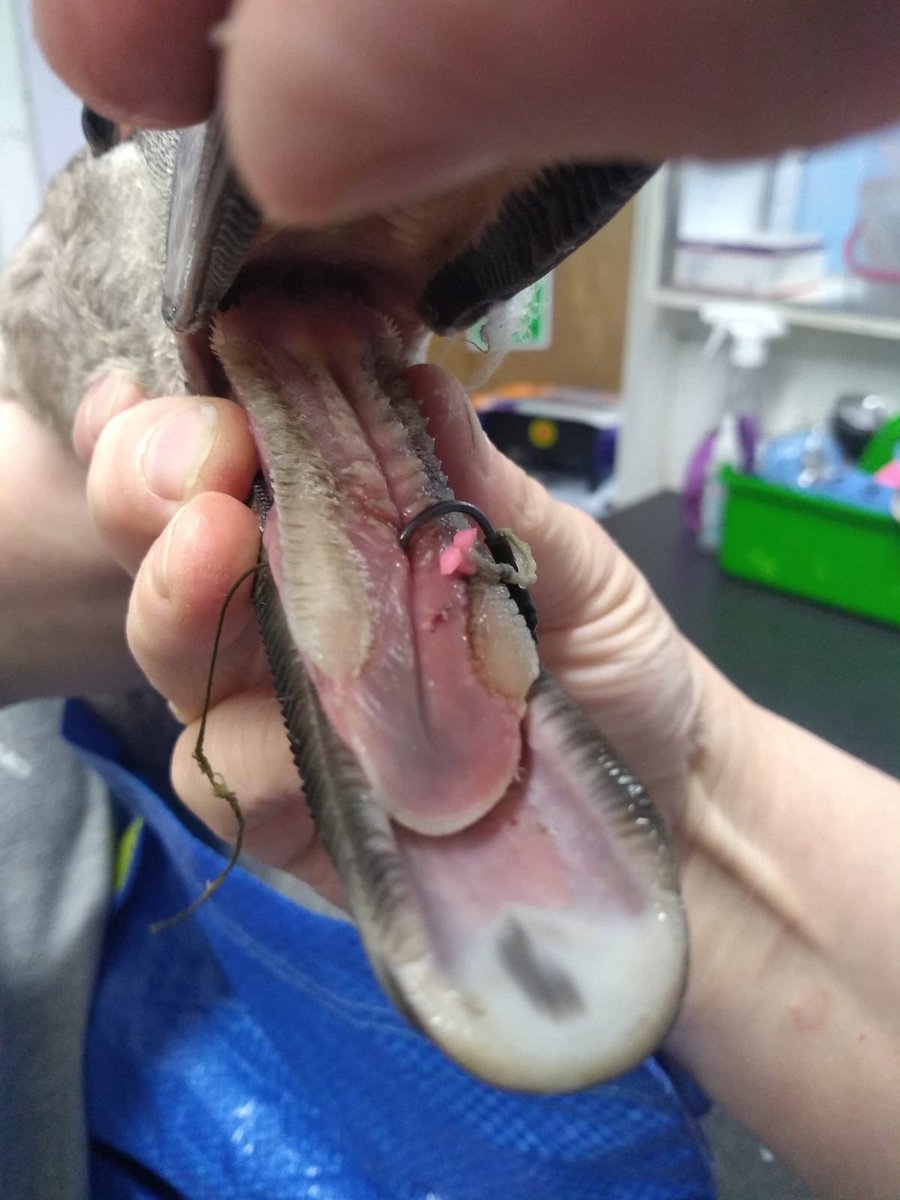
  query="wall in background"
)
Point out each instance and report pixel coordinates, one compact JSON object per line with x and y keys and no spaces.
{"x":55,"y":111}
{"x":19,"y":186}
{"x":40,"y":124}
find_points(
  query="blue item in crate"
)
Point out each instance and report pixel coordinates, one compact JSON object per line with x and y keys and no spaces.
{"x":812,"y":461}
{"x":248,"y":1051}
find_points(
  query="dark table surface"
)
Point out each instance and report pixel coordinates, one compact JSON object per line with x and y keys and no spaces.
{"x":836,"y":674}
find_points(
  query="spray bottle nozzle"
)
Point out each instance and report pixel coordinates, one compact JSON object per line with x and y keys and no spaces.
{"x":750,"y":326}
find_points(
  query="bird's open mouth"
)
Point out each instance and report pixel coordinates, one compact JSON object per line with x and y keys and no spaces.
{"x":422,"y":669}
{"x":509,"y":877}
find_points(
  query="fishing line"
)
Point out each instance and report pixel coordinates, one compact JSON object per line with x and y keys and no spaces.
{"x":217,"y":783}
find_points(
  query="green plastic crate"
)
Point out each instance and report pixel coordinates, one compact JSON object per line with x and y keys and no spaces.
{"x":811,"y":547}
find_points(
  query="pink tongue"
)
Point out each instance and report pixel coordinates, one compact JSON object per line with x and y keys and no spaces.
{"x":385,"y":635}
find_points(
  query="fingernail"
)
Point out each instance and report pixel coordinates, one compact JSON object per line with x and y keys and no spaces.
{"x":104,"y":398}
{"x":158,"y":564}
{"x":173,"y":454}
{"x":480,"y":441}
{"x":178,"y":713}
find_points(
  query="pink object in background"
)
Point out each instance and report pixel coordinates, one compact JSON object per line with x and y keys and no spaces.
{"x":889,"y":475}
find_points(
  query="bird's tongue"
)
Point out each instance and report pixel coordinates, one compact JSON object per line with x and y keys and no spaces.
{"x":423,"y":674}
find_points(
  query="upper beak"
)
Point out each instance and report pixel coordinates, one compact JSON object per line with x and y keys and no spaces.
{"x":212,"y":225}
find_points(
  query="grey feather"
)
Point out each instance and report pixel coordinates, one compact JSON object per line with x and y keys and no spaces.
{"x":82,"y":293}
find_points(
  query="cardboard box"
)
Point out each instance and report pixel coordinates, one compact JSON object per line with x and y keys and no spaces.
{"x":767,"y":267}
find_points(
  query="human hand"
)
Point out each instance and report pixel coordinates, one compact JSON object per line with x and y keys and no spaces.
{"x":335,"y":109}
{"x":789,"y":989}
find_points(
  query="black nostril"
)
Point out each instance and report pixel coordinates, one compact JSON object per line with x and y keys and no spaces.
{"x":100,"y":133}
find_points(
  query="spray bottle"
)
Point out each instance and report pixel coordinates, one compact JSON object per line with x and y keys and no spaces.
{"x":749,"y":329}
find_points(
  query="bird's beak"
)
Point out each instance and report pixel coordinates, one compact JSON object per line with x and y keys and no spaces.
{"x":212,"y":224}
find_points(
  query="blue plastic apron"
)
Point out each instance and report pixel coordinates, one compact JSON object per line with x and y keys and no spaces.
{"x":248,"y":1052}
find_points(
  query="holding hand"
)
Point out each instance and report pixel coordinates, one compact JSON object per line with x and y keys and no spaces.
{"x":790,"y":991}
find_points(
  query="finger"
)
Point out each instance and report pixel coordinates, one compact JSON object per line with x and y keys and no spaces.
{"x":147,"y":64}
{"x":104,"y":399}
{"x":150,"y":459}
{"x":337,"y":109}
{"x":245,"y":743}
{"x":177,"y":599}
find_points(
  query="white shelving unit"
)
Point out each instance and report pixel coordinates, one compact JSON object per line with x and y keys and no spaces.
{"x":20,"y":190}
{"x":671,"y":390}
{"x":828,"y":314}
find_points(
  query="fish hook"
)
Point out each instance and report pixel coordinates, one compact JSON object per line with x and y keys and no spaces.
{"x":498,"y":542}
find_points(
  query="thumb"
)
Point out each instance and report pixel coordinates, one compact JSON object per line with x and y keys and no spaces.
{"x":335,"y":110}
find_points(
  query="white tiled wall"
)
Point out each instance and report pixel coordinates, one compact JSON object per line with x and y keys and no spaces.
{"x":19,"y":187}
{"x":55,"y":112}
{"x":39,"y":124}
